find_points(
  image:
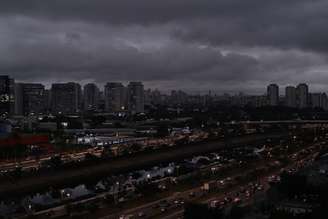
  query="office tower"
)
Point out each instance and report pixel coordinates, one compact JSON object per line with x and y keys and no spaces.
{"x":147,"y":97}
{"x":273,"y":94}
{"x":302,"y":95}
{"x":66,"y":98}
{"x":29,"y":98}
{"x":115,"y":97}
{"x":101,"y":102}
{"x":136,"y":103}
{"x":324,"y":101}
{"x":7,"y":98}
{"x":290,"y":99}
{"x":315,"y":100}
{"x":178,"y":97}
{"x":208,"y":99}
{"x":261,"y":101}
{"x":90,"y":97}
{"x":156,"y":97}
{"x":18,"y":99}
{"x":47,"y":100}
{"x":318,"y":100}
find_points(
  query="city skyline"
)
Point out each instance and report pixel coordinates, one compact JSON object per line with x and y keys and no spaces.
{"x":261,"y":90}
{"x":133,"y":98}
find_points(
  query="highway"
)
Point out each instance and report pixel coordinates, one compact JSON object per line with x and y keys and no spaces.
{"x":35,"y":163}
{"x":171,"y":207}
{"x":236,"y":193}
{"x":123,"y":164}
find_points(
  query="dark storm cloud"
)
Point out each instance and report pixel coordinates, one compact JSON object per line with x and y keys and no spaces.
{"x":282,"y":23}
{"x":105,"y":55}
{"x":42,"y":49}
{"x":235,"y":42}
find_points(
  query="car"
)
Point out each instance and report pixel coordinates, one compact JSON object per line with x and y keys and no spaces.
{"x":247,"y":194}
{"x":141,"y":214}
{"x":222,"y":203}
{"x":164,"y":203}
{"x":227,"y":199}
{"x":178,"y":202}
{"x":260,"y":188}
{"x":236,"y":200}
{"x":192,"y":194}
{"x":214,"y":203}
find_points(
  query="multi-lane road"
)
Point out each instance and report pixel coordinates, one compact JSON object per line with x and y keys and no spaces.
{"x":129,"y":163}
{"x":31,"y":162}
{"x":238,"y":192}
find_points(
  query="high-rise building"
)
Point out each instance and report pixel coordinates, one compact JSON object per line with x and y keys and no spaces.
{"x":324,"y":101}
{"x":7,"y":97}
{"x":101,"y":101}
{"x":147,"y":97}
{"x":136,"y":103}
{"x":290,"y":99}
{"x":47,"y":100}
{"x":115,"y":97}
{"x":156,"y":97}
{"x":261,"y":101}
{"x":66,"y":98}
{"x":302,"y":95}
{"x":18,"y":99}
{"x":90,"y":97}
{"x":29,"y":98}
{"x":315,"y":99}
{"x":318,"y":100}
{"x":273,"y":94}
{"x":178,"y":97}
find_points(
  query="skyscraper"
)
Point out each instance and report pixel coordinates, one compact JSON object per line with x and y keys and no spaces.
{"x":47,"y":100}
{"x":66,"y":98}
{"x":273,"y":94}
{"x":115,"y":97}
{"x":315,"y":99}
{"x":178,"y":97}
{"x":318,"y":100}
{"x":90,"y":97}
{"x":29,"y":98}
{"x":136,"y":103}
{"x":302,"y":95}
{"x":18,"y":99}
{"x":7,"y":98}
{"x":324,"y":101}
{"x":290,"y":99}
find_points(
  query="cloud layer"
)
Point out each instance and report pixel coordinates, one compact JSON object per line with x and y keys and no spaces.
{"x":224,"y":45}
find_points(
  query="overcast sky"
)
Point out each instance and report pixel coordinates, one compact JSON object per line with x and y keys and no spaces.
{"x":194,"y":45}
